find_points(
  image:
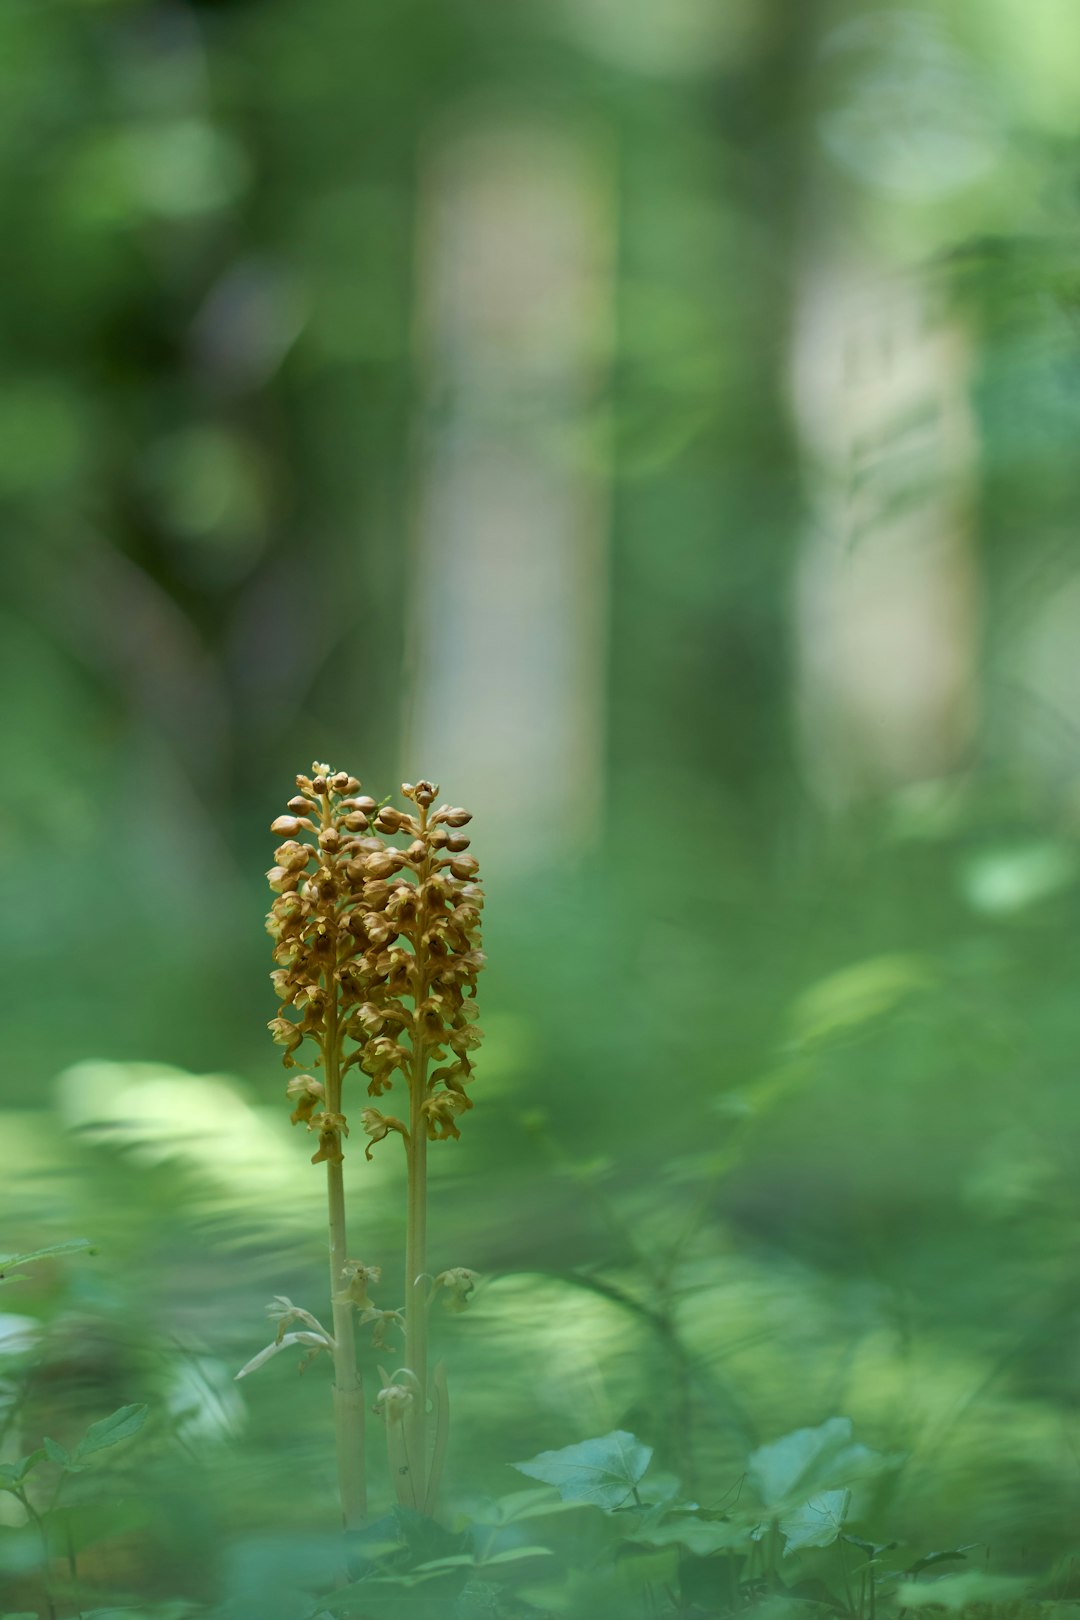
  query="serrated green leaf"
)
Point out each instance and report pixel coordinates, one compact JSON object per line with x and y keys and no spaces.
{"x":604,"y":1471}
{"x":789,"y":1471}
{"x":818,"y":1522}
{"x":119,"y":1425}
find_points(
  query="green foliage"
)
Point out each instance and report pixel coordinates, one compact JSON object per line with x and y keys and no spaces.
{"x":121,"y":1425}
{"x":779,"y":1098}
{"x":810,"y":1461}
{"x":604,"y":1472}
{"x":955,"y":1593}
{"x":818,"y":1522}
{"x":12,"y":1475}
{"x":9,"y":1264}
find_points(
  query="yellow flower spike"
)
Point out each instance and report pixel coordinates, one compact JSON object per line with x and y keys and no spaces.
{"x":376,"y":946}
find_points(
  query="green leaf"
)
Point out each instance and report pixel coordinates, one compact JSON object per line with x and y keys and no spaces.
{"x":509,"y":1555}
{"x":604,"y":1471}
{"x":872,"y":1549}
{"x":858,"y":994}
{"x":72,"y":1246}
{"x":818,"y":1522}
{"x":791,"y":1470}
{"x":518,"y":1506}
{"x":1002,"y":880}
{"x":59,"y":1454}
{"x":13,"y":1474}
{"x":932,"y":1558}
{"x":120,"y":1425}
{"x":957,"y":1591}
{"x":702,"y":1537}
{"x":514,"y":1555}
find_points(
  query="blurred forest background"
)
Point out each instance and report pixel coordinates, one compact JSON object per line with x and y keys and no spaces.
{"x":658,"y":423}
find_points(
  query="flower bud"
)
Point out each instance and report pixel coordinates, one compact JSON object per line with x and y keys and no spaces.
{"x":385,"y":864}
{"x":388,"y":819}
{"x":457,"y":817}
{"x":300,"y":806}
{"x":365,"y":803}
{"x":319,"y":784}
{"x":341,"y":782}
{"x":464,"y":866}
{"x":356,"y":821}
{"x":288,"y":826}
{"x":293,"y":856}
{"x":280,"y":880}
{"x":392,"y":1402}
{"x":329,"y":838}
{"x":457,"y":842}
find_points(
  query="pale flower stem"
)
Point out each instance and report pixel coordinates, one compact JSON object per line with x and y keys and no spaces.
{"x":415,"y":1284}
{"x":348,"y":1390}
{"x":416,"y":1315}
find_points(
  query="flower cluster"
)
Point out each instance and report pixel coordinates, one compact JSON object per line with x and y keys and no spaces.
{"x":420,"y":964}
{"x":376,"y":946}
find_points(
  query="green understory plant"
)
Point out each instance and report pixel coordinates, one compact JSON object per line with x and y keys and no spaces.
{"x":37,"y":1480}
{"x":376,"y":946}
{"x":604,"y":1534}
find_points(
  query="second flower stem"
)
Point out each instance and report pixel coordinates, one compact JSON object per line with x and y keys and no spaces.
{"x":348,"y":1389}
{"x":416,"y":1290}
